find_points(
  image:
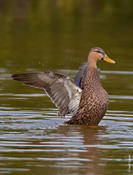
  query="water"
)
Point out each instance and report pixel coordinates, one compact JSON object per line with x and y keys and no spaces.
{"x":57,"y":35}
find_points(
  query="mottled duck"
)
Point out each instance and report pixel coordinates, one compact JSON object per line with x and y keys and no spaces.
{"x":84,"y":97}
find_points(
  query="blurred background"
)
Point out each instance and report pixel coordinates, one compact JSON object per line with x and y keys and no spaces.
{"x":53,"y":34}
{"x":56,"y":35}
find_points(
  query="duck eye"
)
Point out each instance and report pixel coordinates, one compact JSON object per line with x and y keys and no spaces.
{"x":98,"y":51}
{"x":102,"y":58}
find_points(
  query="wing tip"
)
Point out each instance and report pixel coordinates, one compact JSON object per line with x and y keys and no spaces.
{"x":18,"y":77}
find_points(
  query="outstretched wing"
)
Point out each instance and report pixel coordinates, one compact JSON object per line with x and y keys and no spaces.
{"x":60,"y":88}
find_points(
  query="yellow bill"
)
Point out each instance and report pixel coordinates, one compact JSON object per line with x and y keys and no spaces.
{"x":109,"y":60}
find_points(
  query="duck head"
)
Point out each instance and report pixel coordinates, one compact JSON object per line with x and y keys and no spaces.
{"x":97,"y":54}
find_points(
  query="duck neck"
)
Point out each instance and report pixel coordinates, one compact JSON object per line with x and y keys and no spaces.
{"x":93,"y":75}
{"x":92,"y":62}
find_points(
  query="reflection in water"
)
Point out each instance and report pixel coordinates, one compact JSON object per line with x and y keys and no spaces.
{"x":92,"y":140}
{"x":91,"y":143}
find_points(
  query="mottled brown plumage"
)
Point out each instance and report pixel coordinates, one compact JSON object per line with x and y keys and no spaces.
{"x":94,"y":100}
{"x":85,"y":98}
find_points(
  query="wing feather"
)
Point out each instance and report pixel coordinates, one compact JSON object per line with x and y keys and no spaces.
{"x":60,"y":88}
